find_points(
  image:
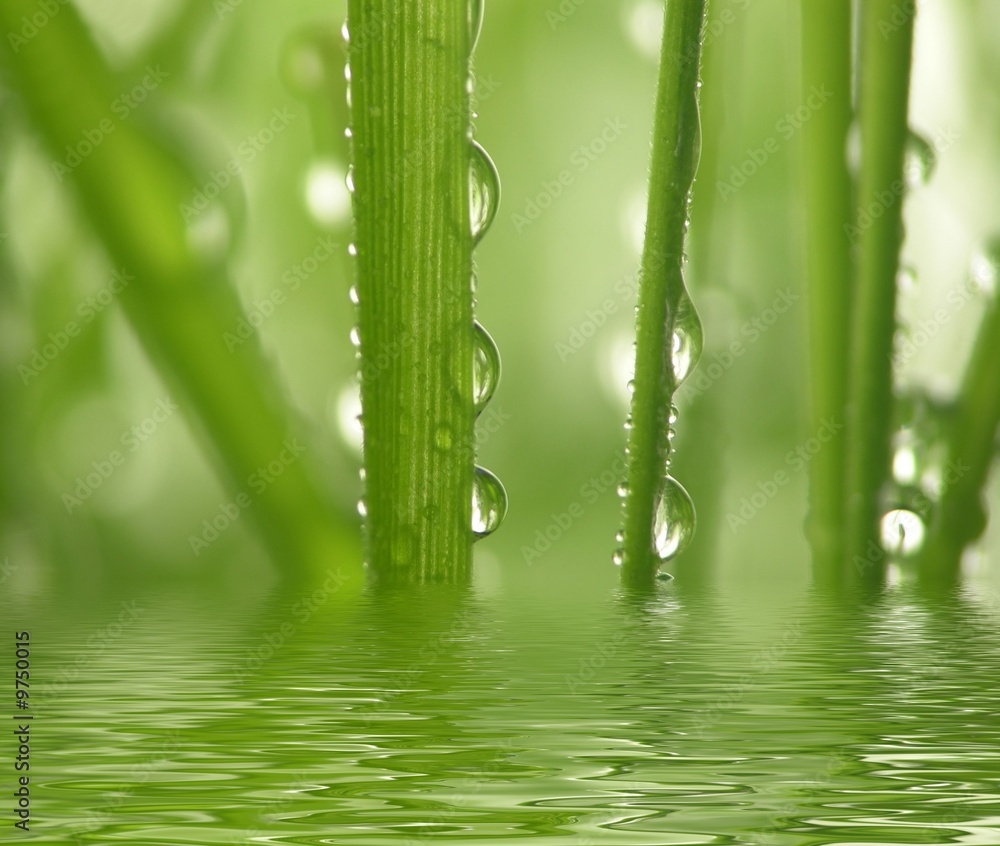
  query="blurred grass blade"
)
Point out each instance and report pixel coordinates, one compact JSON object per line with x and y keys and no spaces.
{"x":132,"y":189}
{"x":884,"y":83}
{"x":826,"y":66}
{"x":960,"y":518}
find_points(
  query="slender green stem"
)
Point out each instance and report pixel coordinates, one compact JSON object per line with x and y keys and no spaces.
{"x":885,"y":56}
{"x":674,"y":154}
{"x":959,"y":517}
{"x":181,"y":306}
{"x":410,"y":115}
{"x":826,"y":67}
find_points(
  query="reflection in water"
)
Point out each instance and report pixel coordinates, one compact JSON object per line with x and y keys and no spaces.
{"x":676,"y":719}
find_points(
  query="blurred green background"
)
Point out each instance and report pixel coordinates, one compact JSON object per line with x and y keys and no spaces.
{"x":564,"y":98}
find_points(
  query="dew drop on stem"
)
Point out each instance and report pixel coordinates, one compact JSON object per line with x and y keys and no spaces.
{"x":485,"y":367}
{"x":688,"y":339}
{"x":920,"y":160}
{"x":673,"y":521}
{"x":489,"y":503}
{"x":484,"y":191}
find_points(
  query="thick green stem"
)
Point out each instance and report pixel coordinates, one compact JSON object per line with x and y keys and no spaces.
{"x":132,"y":190}
{"x":885,"y":56}
{"x":674,"y":154}
{"x":826,"y":67}
{"x":409,"y":64}
{"x":959,"y":517}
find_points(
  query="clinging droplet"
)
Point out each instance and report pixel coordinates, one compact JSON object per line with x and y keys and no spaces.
{"x":687,"y":340}
{"x":485,"y":367}
{"x":489,"y":503}
{"x":920,"y":160}
{"x":476,"y":9}
{"x":674,"y":520}
{"x":484,"y":191}
{"x":902,"y":532}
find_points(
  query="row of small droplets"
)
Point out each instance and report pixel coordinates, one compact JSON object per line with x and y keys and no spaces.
{"x":489,"y":499}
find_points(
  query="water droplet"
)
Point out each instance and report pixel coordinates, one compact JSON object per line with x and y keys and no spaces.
{"x":985,"y":264}
{"x":673,"y":415}
{"x":904,"y":465}
{"x":620,"y":536}
{"x":349,"y":179}
{"x":920,"y":160}
{"x":618,"y":558}
{"x":442,"y":438}
{"x":363,"y":474}
{"x":622,"y":489}
{"x":353,"y":295}
{"x":906,"y":278}
{"x":362,"y":508}
{"x":674,"y":521}
{"x":476,"y":10}
{"x":348,"y":133}
{"x":484,"y":191}
{"x":327,"y":197}
{"x":902,"y":532}
{"x":303,"y":64}
{"x":352,"y":250}
{"x":485,"y":367}
{"x":345,"y":409}
{"x":489,"y":503}
{"x":355,"y":336}
{"x":687,"y":341}
{"x":662,"y":576}
{"x":345,"y":33}
{"x":628,"y":423}
{"x":347,"y":72}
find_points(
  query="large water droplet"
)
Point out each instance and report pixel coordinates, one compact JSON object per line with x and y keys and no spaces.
{"x":920,"y":160}
{"x":327,"y":196}
{"x":489,"y":503}
{"x":484,"y":191}
{"x":902,"y":532}
{"x":674,"y":521}
{"x":485,"y":367}
{"x":687,"y":340}
{"x":345,"y":409}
